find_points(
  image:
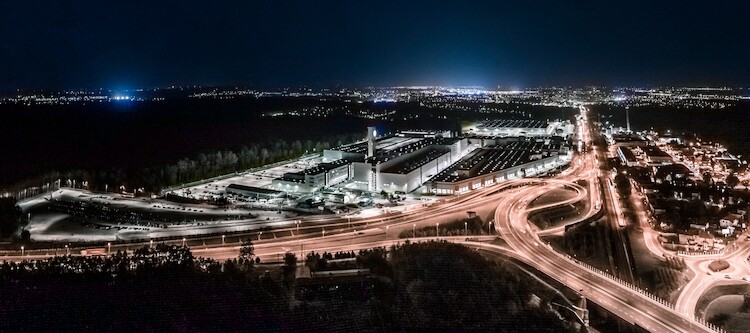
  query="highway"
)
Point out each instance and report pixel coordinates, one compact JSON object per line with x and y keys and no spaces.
{"x":703,"y":278}
{"x":620,"y":258}
{"x":310,"y":227}
{"x":616,"y":295}
{"x":629,"y":304}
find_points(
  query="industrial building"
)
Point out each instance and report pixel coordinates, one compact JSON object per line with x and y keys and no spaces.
{"x":253,"y":192}
{"x":627,"y":157}
{"x":405,"y":161}
{"x":642,"y":155}
{"x":656,"y":156}
{"x":519,"y":128}
{"x":624,"y":139}
{"x":405,"y":167}
{"x":315,"y":178}
{"x":360,"y":150}
{"x":675,"y":174}
{"x":490,"y":165}
{"x":400,"y":162}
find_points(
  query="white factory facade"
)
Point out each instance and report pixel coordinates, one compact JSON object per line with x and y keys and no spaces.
{"x":436,"y":161}
{"x":519,"y":128}
{"x":315,"y":178}
{"x":407,"y":163}
{"x":497,"y":163}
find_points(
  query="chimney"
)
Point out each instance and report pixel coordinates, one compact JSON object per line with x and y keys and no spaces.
{"x":627,"y":117}
{"x":371,"y":134}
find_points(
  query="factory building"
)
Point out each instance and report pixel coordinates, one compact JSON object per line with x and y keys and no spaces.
{"x":425,"y":134}
{"x":353,"y":152}
{"x":253,"y":192}
{"x":315,"y":178}
{"x":520,"y":128}
{"x":368,"y":147}
{"x":623,"y":139}
{"x":675,"y":174}
{"x":643,"y":155}
{"x":490,"y":141}
{"x":490,"y":165}
{"x":446,"y":164}
{"x":656,"y":156}
{"x":627,"y":157}
{"x":403,"y":164}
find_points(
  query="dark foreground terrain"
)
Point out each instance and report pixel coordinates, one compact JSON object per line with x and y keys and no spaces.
{"x":433,"y":286}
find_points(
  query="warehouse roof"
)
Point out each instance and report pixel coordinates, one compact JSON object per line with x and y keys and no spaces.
{"x":254,"y":189}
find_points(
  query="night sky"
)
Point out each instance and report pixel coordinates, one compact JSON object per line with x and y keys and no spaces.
{"x":86,"y":44}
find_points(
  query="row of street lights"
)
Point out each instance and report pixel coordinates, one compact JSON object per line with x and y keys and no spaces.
{"x":437,"y":229}
{"x":260,"y":233}
{"x":151,"y":244}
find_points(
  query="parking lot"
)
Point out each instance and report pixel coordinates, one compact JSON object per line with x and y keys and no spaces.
{"x":260,"y":179}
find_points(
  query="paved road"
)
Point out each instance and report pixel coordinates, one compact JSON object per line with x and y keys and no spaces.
{"x":629,"y":304}
{"x":704,"y":278}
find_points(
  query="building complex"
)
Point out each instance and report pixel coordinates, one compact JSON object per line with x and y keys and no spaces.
{"x":439,"y":162}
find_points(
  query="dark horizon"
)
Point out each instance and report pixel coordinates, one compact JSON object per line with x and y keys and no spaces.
{"x":70,"y":45}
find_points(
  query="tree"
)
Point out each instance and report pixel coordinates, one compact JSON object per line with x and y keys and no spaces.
{"x":312,"y":261}
{"x":290,"y":268}
{"x":694,"y":209}
{"x":719,"y":319}
{"x":623,"y":185}
{"x":732,"y":180}
{"x":264,"y":155}
{"x":675,"y":218}
{"x":290,"y":260}
{"x":247,"y":250}
{"x":10,"y":216}
{"x":25,"y":235}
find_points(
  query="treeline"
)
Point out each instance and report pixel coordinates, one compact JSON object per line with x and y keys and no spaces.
{"x":10,"y":217}
{"x":434,"y":286}
{"x":415,"y":287}
{"x":204,"y":165}
{"x":441,"y":286}
{"x":468,"y":226}
{"x":670,"y":276}
{"x":153,"y":290}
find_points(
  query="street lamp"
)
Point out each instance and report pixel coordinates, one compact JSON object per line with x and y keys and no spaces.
{"x":259,"y":233}
{"x":437,"y":233}
{"x":21,"y":251}
{"x":109,"y":247}
{"x":151,"y":243}
{"x":222,"y":238}
{"x":324,"y":232}
{"x":67,"y":249}
{"x":183,"y":241}
{"x":414,"y":230}
{"x":386,"y":232}
{"x":297,"y":222}
{"x":466,"y":229}
{"x":489,"y":228}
